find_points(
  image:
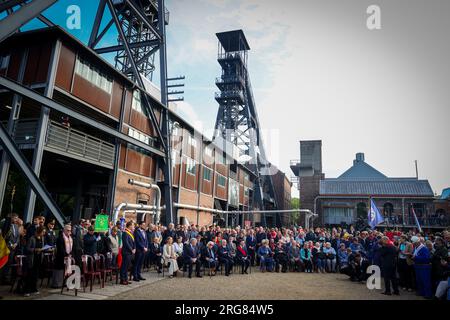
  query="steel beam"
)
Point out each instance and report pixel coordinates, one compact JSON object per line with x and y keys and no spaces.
{"x":97,"y":22}
{"x":33,"y":95}
{"x":133,"y":45}
{"x":165,"y":123}
{"x":13,"y":116}
{"x":17,"y":19}
{"x":21,"y":162}
{"x":5,"y":5}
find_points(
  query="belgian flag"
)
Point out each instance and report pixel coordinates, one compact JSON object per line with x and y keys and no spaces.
{"x":4,"y":252}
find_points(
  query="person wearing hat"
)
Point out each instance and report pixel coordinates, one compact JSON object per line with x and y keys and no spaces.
{"x":422,"y":267}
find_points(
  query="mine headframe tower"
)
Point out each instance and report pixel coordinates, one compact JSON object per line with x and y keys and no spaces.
{"x":237,"y":126}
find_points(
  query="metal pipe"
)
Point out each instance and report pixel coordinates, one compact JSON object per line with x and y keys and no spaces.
{"x":158,"y":194}
{"x":134,"y":207}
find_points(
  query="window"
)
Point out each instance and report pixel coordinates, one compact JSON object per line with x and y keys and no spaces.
{"x":220,"y":158}
{"x":208,"y":151}
{"x":221,"y":180}
{"x":206,"y":174}
{"x":192,"y":141}
{"x":246,"y":191}
{"x":246,"y":177}
{"x":190,"y":166}
{"x":136,"y":104}
{"x":4,"y":61}
{"x":83,"y":69}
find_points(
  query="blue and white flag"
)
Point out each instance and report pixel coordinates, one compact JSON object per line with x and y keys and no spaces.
{"x":374,"y":216}
{"x":415,"y":218}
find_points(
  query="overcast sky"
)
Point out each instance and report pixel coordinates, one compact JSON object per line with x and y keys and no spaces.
{"x":319,"y":73}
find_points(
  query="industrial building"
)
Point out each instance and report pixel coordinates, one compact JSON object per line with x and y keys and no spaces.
{"x":345,"y":200}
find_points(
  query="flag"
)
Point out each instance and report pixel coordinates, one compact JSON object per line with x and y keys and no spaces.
{"x":4,"y":252}
{"x":374,"y":216}
{"x":415,"y":218}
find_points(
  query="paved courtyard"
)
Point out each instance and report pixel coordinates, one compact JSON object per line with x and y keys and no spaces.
{"x":255,"y":286}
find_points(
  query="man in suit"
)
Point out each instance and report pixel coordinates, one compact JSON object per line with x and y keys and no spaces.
{"x":225,"y":257}
{"x":242,"y":256}
{"x":141,"y":241}
{"x":128,"y":250}
{"x":192,"y":256}
{"x":251,"y":246}
{"x":156,"y":253}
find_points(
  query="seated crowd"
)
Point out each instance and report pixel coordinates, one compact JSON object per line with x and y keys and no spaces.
{"x":408,"y":259}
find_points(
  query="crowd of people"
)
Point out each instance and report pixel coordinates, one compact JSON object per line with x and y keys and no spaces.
{"x":409,"y":260}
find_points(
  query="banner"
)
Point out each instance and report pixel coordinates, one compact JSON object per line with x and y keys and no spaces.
{"x":101,"y":223}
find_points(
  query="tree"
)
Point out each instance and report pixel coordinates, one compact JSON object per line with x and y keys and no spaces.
{"x":295,"y":204}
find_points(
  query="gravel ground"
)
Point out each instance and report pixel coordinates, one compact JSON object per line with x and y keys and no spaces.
{"x":256,"y":286}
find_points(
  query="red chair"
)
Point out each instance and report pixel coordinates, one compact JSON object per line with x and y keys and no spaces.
{"x":66,"y":276}
{"x":89,"y":271}
{"x":48,"y":264}
{"x":20,"y":272}
{"x":112,"y":265}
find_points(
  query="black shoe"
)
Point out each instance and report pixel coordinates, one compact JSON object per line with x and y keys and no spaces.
{"x":387,"y":293}
{"x":159,"y":271}
{"x":199,"y":276}
{"x":190,"y":276}
{"x":396,"y":293}
{"x":136,"y":280}
{"x":142,"y":279}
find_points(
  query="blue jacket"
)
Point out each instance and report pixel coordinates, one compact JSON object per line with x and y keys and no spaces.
{"x":128,"y":244}
{"x":422,"y":256}
{"x":140,"y":238}
{"x":264,"y":251}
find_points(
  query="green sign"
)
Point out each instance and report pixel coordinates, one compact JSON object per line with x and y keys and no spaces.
{"x":101,"y":223}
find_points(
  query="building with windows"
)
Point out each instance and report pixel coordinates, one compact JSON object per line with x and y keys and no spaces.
{"x":346,"y":199}
{"x":85,"y":170}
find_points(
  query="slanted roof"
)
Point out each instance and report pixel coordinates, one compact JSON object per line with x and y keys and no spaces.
{"x":386,"y":187}
{"x":361,"y":170}
{"x":233,"y":40}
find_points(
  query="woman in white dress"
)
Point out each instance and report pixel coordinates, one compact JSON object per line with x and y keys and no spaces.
{"x":170,"y":257}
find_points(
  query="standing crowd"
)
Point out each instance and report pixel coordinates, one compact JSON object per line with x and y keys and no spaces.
{"x":408,"y":260}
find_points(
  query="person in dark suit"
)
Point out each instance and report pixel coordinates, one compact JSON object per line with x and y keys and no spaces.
{"x":156,"y":253}
{"x":225,"y":257}
{"x":210,"y":257}
{"x":191,"y":257}
{"x":250,"y":242}
{"x":242,"y":256}
{"x":141,"y":241}
{"x":90,"y":242}
{"x":358,"y":267}
{"x":388,"y":255}
{"x":50,"y":235}
{"x":128,"y":250}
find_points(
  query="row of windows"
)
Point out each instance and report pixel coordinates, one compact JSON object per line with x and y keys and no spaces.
{"x":140,"y":136}
{"x":191,"y":167}
{"x":207,"y":174}
{"x":85,"y":70}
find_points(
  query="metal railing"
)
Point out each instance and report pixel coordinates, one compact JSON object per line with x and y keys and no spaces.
{"x":229,"y":79}
{"x":71,"y":141}
{"x":232,"y":94}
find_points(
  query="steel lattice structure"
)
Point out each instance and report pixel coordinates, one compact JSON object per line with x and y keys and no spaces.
{"x":237,"y":125}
